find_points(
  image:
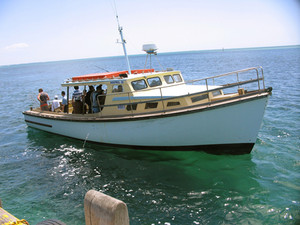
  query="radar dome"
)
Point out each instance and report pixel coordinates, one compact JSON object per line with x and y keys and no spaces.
{"x":150,"y":48}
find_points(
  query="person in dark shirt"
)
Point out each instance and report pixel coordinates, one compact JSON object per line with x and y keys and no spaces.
{"x":88,"y":98}
{"x":95,"y":99}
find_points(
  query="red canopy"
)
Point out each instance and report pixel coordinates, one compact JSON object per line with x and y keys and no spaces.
{"x":108,"y":75}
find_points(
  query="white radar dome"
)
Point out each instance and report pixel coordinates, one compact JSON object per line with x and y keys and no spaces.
{"x":150,"y":48}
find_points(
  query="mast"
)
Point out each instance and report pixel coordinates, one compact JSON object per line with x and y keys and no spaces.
{"x":123,"y":42}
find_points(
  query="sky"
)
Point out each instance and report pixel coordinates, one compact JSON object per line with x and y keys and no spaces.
{"x":52,"y":30}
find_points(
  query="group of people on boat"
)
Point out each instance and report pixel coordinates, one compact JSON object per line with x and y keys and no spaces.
{"x":90,"y":101}
{"x":56,"y":106}
{"x":83,"y":102}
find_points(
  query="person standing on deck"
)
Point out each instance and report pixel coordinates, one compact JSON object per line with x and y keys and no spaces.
{"x":77,"y":101}
{"x":64,"y":102}
{"x":55,"y":104}
{"x":88,"y":98}
{"x":43,"y":97}
{"x":94,"y":99}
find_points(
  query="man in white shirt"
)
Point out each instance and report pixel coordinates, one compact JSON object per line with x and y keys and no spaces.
{"x":55,"y":104}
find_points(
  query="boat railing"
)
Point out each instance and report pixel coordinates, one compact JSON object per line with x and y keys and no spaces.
{"x":211,"y":84}
{"x":258,"y":72}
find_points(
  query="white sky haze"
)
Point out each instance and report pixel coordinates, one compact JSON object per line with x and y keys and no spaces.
{"x":50,"y":30}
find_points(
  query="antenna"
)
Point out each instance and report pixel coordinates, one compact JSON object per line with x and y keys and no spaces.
{"x":123,"y":42}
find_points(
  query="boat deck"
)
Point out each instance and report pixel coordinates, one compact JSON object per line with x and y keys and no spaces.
{"x":98,"y":117}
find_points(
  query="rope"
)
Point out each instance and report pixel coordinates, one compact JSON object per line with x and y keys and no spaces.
{"x":19,"y":222}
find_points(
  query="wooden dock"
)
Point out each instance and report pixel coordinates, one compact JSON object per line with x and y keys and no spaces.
{"x":7,"y":218}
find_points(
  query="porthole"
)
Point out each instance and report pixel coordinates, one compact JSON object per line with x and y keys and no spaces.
{"x":199,"y":98}
{"x":151,"y":105}
{"x":172,"y":104}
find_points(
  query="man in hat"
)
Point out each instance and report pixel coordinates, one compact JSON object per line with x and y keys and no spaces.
{"x":55,"y":104}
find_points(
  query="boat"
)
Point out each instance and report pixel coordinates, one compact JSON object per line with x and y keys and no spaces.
{"x":158,"y":110}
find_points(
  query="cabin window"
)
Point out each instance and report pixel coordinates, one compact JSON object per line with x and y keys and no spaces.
{"x":139,"y":84}
{"x":151,"y":105}
{"x":216,"y":93}
{"x":131,"y":107}
{"x":117,"y":88}
{"x":104,"y":88}
{"x":177,"y":78}
{"x":154,"y":81}
{"x":199,"y":98}
{"x":169,"y":79}
{"x":173,"y":104}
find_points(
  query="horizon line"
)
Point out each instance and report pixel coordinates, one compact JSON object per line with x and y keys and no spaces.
{"x":171,"y":52}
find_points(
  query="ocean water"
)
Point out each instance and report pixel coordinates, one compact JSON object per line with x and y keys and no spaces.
{"x":45,"y":176}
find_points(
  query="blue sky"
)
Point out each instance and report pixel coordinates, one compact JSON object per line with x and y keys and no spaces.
{"x":50,"y":30}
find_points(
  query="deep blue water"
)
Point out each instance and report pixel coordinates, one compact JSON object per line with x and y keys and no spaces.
{"x":44,"y":176}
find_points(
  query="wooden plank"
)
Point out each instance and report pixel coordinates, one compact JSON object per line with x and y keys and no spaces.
{"x":7,"y":218}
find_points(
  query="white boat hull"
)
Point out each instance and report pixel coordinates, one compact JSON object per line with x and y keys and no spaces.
{"x":231,"y":128}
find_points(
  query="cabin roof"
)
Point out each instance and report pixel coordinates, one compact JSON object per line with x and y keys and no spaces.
{"x":111,"y":77}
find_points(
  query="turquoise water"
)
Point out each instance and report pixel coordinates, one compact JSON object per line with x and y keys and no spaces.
{"x":46,"y":176}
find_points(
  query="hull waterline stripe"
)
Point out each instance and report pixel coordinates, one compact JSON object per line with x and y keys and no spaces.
{"x":42,"y":124}
{"x":217,"y":149}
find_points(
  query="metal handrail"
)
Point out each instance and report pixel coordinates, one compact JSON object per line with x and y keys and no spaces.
{"x":230,"y":73}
